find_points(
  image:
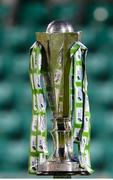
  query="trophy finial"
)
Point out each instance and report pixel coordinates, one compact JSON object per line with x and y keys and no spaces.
{"x":59,"y":26}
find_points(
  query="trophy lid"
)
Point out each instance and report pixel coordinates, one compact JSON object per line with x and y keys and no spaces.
{"x":59,"y":26}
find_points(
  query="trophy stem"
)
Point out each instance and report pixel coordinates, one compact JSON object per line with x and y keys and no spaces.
{"x":61,"y":133}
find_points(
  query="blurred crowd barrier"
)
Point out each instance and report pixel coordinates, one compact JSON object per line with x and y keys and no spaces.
{"x":19,"y":20}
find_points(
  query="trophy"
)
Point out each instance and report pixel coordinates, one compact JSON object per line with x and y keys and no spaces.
{"x":58,"y":81}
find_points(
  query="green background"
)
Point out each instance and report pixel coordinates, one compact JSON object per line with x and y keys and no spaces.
{"x":19,"y":20}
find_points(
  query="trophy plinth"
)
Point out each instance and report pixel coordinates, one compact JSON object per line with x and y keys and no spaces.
{"x":61,"y":168}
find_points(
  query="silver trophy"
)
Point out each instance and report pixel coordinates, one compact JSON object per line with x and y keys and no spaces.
{"x":55,"y":69}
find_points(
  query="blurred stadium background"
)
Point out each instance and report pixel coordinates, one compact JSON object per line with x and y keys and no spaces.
{"x":19,"y":20}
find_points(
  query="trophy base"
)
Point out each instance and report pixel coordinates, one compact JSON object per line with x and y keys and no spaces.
{"x":60,"y":168}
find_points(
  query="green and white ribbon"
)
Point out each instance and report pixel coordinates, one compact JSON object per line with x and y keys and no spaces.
{"x":38,"y":146}
{"x":81,"y":129}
